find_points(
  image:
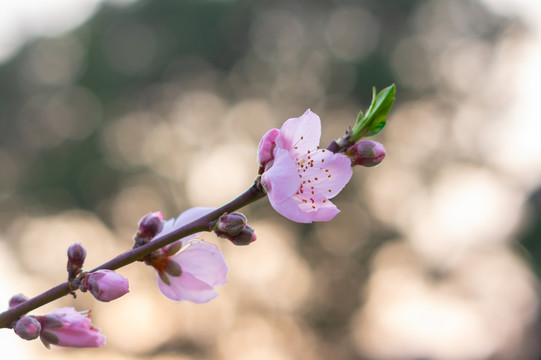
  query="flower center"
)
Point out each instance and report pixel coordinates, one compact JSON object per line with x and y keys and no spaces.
{"x":313,"y":173}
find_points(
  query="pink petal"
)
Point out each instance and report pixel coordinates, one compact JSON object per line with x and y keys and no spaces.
{"x":185,"y":218}
{"x":300,"y":134}
{"x":78,"y":337}
{"x":266,"y":146}
{"x":290,"y":209}
{"x":191,"y":214}
{"x":325,"y":212}
{"x":330,"y":172}
{"x":187,"y":287}
{"x":204,"y":261}
{"x":282,"y":180}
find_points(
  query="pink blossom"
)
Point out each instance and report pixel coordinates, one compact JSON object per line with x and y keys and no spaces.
{"x":189,"y":269}
{"x":106,"y":285}
{"x":69,"y":328}
{"x":298,"y":176}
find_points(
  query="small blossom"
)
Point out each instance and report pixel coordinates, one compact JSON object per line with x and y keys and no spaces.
{"x":189,"y":269}
{"x":298,"y":176}
{"x":69,"y":328}
{"x":366,"y":153}
{"x":106,"y":285}
{"x":28,"y":328}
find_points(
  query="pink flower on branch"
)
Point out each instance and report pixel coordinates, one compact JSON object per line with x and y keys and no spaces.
{"x":189,"y":269}
{"x":298,"y":176}
{"x":69,"y":328}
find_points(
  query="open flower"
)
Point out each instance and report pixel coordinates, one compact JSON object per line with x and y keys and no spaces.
{"x":298,"y":176}
{"x":189,"y":268}
{"x":69,"y":328}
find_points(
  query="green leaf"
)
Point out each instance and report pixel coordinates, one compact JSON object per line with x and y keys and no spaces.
{"x":375,"y":118}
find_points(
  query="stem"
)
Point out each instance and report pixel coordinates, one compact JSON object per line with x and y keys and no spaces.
{"x":202,"y":224}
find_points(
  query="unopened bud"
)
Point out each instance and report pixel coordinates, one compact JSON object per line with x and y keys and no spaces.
{"x":230,"y":224}
{"x":16,"y":300}
{"x":27,"y":328}
{"x":76,"y":255}
{"x":76,"y":258}
{"x":245,"y":237}
{"x":150,"y":225}
{"x":266,"y":147}
{"x":106,"y":285}
{"x":366,"y":153}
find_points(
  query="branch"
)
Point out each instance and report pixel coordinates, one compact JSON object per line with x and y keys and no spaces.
{"x":251,"y":195}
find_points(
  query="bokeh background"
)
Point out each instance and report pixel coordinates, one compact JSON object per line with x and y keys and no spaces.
{"x":112,"y":109}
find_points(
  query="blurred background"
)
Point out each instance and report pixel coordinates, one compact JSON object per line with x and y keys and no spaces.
{"x":112,"y":109}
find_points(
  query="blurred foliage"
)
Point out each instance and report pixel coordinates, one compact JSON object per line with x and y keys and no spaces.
{"x":128,"y":50}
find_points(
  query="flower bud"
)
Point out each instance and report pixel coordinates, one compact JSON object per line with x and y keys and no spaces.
{"x":76,"y":258}
{"x":366,"y":153}
{"x":230,"y":224}
{"x":27,"y":328}
{"x":150,"y":225}
{"x":245,"y":237}
{"x":106,"y":285}
{"x":266,"y":147}
{"x":16,"y":300}
{"x":76,"y":255}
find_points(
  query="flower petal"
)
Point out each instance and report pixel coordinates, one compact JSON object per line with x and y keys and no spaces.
{"x":184,"y":218}
{"x":328,"y":173}
{"x":290,"y":209}
{"x":187,"y":287}
{"x":301,"y":134}
{"x":204,"y":261}
{"x":281,"y":181}
{"x":266,"y":146}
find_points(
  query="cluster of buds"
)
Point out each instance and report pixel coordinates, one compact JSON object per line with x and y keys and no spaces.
{"x":62,"y":327}
{"x":104,"y":285}
{"x":234,"y":227}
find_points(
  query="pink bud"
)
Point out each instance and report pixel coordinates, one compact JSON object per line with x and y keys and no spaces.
{"x":366,"y":153}
{"x":230,"y":224}
{"x":16,"y":300}
{"x":76,"y":256}
{"x":150,"y":225}
{"x":27,"y":328}
{"x":106,"y":285}
{"x":245,"y":237}
{"x":266,"y":147}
